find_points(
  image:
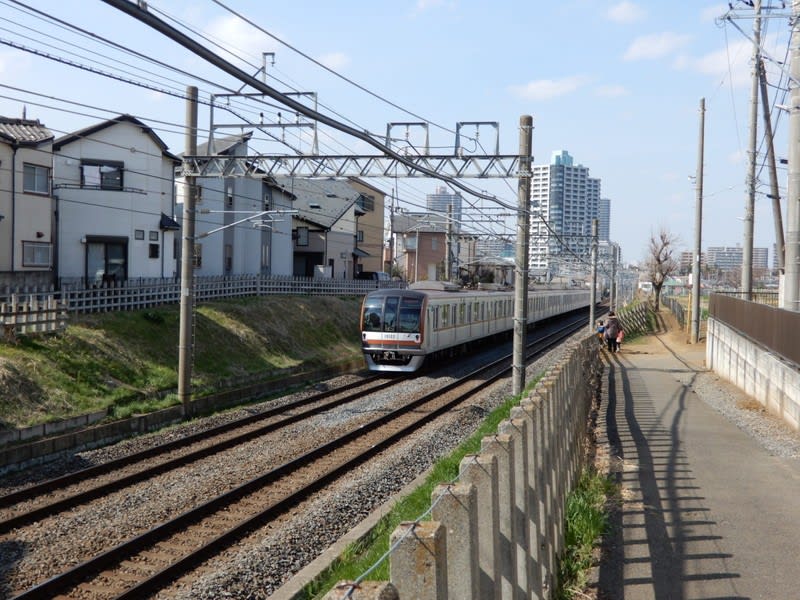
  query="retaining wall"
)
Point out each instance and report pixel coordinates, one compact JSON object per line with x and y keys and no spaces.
{"x":774,"y":382}
{"x":24,"y":447}
{"x":496,"y":533}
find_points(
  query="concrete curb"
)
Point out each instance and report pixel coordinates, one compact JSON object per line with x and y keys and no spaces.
{"x":291,"y":589}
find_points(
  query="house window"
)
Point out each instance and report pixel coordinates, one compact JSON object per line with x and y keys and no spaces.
{"x":366,"y":203}
{"x":101,"y":175}
{"x":434,"y":244}
{"x":153,"y":236}
{"x":153,"y":251}
{"x":138,"y":234}
{"x":197,"y":256}
{"x":302,"y":236}
{"x":36,"y":179}
{"x":360,"y":235}
{"x":229,"y":197}
{"x":106,"y":259}
{"x":36,"y":254}
{"x":228,"y":258}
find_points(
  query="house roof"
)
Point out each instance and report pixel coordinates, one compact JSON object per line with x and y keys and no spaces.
{"x":92,"y":129}
{"x":28,"y":132}
{"x":224,"y":144}
{"x":319,"y":201}
{"x":422,"y":222}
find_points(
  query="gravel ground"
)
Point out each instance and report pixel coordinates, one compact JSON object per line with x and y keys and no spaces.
{"x":255,"y":566}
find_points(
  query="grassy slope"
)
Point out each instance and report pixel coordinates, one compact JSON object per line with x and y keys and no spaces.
{"x":126,"y":360}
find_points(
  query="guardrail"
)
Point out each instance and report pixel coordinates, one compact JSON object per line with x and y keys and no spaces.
{"x":501,"y":525}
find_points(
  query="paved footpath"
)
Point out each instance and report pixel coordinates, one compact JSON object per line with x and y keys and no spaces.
{"x":706,"y":512}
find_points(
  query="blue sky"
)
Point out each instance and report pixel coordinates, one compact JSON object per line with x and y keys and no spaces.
{"x":617,"y":84}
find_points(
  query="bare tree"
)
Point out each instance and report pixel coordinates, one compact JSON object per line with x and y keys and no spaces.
{"x":660,"y":262}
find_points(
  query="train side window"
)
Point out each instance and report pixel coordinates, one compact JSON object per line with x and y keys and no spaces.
{"x":475,"y":312}
{"x":462,"y":313}
{"x":445,"y":315}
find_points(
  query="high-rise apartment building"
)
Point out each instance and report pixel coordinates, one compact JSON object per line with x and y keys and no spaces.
{"x":730,"y":258}
{"x":604,"y":220}
{"x":439,"y":202}
{"x":564,"y":200}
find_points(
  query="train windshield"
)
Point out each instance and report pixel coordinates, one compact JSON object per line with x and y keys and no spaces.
{"x":393,"y":313}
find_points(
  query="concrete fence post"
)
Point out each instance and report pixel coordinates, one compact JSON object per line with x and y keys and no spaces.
{"x":501,"y":447}
{"x":518,"y":431}
{"x":455,"y":506}
{"x":540,"y":469}
{"x":524,"y":412}
{"x":366,"y":590}
{"x":480,"y":470}
{"x":418,"y":565}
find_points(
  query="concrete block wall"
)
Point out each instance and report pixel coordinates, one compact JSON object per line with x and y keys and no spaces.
{"x":763,"y":375}
{"x":496,"y":533}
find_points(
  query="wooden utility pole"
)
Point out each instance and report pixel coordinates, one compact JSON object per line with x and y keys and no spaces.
{"x":521,"y":271}
{"x":698,"y":228}
{"x":750,"y":201}
{"x":187,"y":265}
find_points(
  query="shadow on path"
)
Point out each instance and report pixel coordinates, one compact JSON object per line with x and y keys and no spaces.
{"x":662,"y":543}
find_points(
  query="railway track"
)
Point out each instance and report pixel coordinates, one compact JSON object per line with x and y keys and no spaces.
{"x":150,"y":560}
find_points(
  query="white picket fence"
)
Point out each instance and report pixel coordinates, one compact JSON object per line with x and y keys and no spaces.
{"x":26,"y":315}
{"x":47,"y":308}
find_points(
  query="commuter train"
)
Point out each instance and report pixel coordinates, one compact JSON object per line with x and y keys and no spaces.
{"x":400,"y":328}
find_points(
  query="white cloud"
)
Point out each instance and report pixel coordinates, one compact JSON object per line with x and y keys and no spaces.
{"x":625,"y":12}
{"x":656,"y":45}
{"x":710,"y":14}
{"x":239,"y":36}
{"x":545,"y":89}
{"x":610,"y":91}
{"x":727,"y":64}
{"x":334,"y":60}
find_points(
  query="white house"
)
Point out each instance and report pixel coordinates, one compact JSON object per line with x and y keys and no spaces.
{"x":325,"y":226}
{"x":113,"y":185}
{"x":242,"y":225}
{"x":26,"y":204}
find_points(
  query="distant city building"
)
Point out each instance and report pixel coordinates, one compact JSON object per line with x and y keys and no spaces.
{"x":687,"y":261}
{"x":495,"y":247}
{"x":564,"y":200}
{"x":726,"y":258}
{"x":441,"y":200}
{"x":604,"y":220}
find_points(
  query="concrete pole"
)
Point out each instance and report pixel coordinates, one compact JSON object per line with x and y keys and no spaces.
{"x":791,"y":284}
{"x":593,"y":295}
{"x":774,"y":194}
{"x":448,"y":275}
{"x":521,"y":270}
{"x":698,"y":228}
{"x":614,"y":286}
{"x":750,"y":201}
{"x":187,"y":266}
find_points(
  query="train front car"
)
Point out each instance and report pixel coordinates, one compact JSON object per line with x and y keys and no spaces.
{"x":392,"y":330}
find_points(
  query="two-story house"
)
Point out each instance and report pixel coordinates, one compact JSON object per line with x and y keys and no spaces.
{"x":113,"y":185}
{"x":26,"y":203}
{"x":421,"y":241}
{"x":325,"y":228}
{"x":243,"y":225}
{"x":370,"y":233}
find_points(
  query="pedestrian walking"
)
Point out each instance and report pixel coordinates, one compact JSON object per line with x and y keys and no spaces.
{"x":612,"y":329}
{"x":600,"y":330}
{"x":620,"y":337}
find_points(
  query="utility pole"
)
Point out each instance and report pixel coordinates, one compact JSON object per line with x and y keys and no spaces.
{"x":774,"y":194}
{"x":521,"y":271}
{"x":187,"y":265}
{"x":749,"y":207}
{"x":448,"y":274}
{"x":791,"y":284}
{"x":698,"y":228}
{"x":593,"y":294}
{"x":614,"y":286}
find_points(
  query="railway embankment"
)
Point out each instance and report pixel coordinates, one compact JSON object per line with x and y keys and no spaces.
{"x":112,"y":375}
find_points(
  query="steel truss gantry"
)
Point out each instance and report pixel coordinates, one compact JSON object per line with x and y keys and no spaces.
{"x":260,"y":166}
